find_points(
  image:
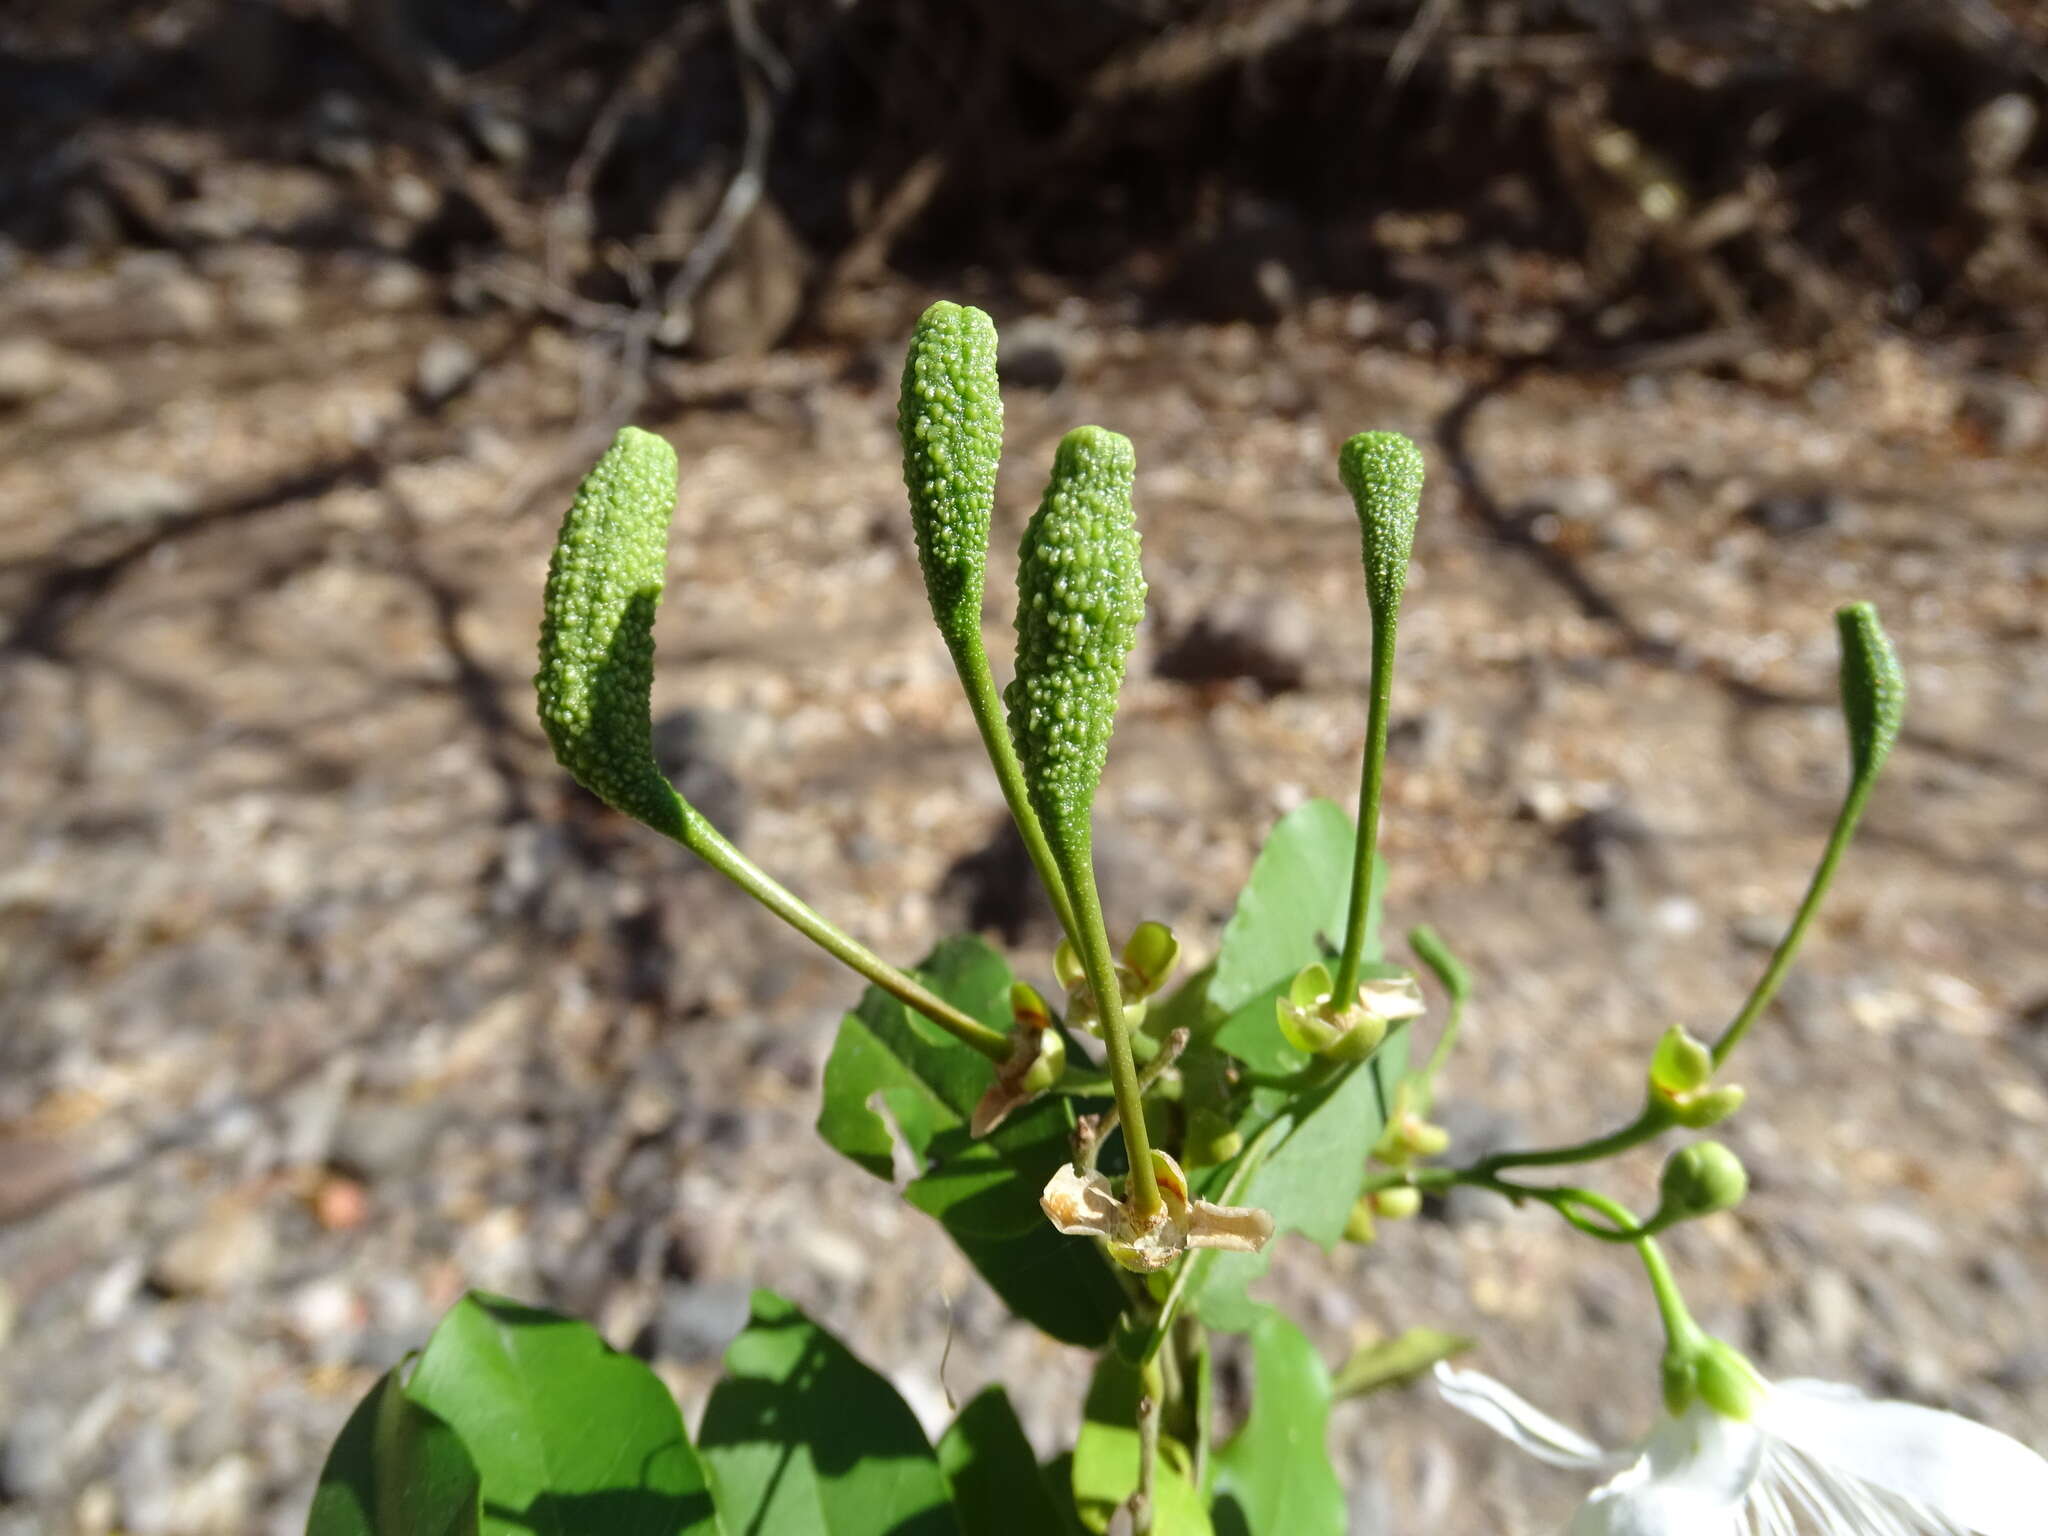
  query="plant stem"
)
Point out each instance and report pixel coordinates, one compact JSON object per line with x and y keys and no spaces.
{"x":1204,"y":1403}
{"x":1143,"y":1502}
{"x":1652,"y":1122}
{"x":1100,"y":968}
{"x":970,"y":660}
{"x":1345,"y":992}
{"x":1817,"y":888}
{"x":705,"y":840}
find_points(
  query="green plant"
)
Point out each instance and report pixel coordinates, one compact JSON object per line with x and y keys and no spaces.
{"x":1122,"y":1205}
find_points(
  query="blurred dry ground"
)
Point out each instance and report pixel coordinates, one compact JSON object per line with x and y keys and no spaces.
{"x":328,"y":996}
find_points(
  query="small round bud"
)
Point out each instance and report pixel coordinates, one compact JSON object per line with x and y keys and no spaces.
{"x":1680,"y":1063}
{"x":1383,"y":473}
{"x":1699,"y":1180}
{"x":1360,"y":1226}
{"x":1149,"y":957}
{"x":1396,"y":1204}
{"x":1873,"y":688}
{"x":1210,"y":1139}
{"x":1731,"y":1386}
{"x":1051,"y":1064}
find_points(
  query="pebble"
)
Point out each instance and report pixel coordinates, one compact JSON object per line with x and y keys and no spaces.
{"x":136,"y":496}
{"x":1787,"y":513}
{"x":446,"y":364}
{"x":1259,"y":639}
{"x":32,"y":1453}
{"x":30,"y":368}
{"x":233,"y":1247}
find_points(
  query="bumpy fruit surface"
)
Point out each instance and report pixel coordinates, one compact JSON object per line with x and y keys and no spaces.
{"x":950,"y":416}
{"x":1873,"y":688}
{"x":1080,"y":595}
{"x":1383,"y":473}
{"x":597,"y":630}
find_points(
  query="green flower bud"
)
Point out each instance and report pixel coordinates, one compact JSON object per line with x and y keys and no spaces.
{"x":1731,"y":1386}
{"x":1873,"y":688}
{"x":1680,"y":1063}
{"x":1399,"y":1203}
{"x":1410,"y":1138}
{"x":1027,"y":1008}
{"x":1211,"y":1139}
{"x":1699,"y":1180}
{"x":1709,"y":1106}
{"x":1149,"y":958}
{"x":950,"y":416}
{"x":1681,"y":1078}
{"x":597,"y":630}
{"x":1080,"y":595}
{"x":1051,"y":1064}
{"x":1360,"y":1226}
{"x":1383,"y":473}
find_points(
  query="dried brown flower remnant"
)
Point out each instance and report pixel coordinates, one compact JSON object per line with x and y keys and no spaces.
{"x":1083,"y":1205}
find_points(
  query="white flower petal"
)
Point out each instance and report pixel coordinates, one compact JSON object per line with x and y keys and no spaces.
{"x":1529,"y":1427}
{"x":1969,"y":1475}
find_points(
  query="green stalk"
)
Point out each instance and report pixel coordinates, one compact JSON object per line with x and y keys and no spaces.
{"x":705,"y":840}
{"x":1371,"y":773}
{"x":1873,"y":692}
{"x":1767,"y":985}
{"x":1383,"y":473}
{"x":1099,"y":965}
{"x":970,"y":661}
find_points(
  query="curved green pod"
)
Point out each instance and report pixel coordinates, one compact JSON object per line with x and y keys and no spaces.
{"x":597,"y":630}
{"x":1080,"y":595}
{"x":1383,"y":473}
{"x":950,"y":417}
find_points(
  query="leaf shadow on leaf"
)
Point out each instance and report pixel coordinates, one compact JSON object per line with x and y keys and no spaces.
{"x":648,"y":1507}
{"x":1227,"y":1515}
{"x":805,"y":1409}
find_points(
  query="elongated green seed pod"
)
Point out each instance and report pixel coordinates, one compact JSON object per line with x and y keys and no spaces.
{"x":1383,"y":473}
{"x":950,"y":415}
{"x":597,"y":630}
{"x":1873,"y":688}
{"x":1080,"y":595}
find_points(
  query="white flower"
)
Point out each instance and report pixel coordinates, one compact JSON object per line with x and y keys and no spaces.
{"x":1813,"y":1458}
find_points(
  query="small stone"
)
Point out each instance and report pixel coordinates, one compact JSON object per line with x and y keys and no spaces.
{"x":231,"y":1248}
{"x":445,"y":365}
{"x":1831,"y":1305}
{"x":326,"y":1315}
{"x":31,"y":1454}
{"x":340,"y":1204}
{"x":1787,"y":513}
{"x":109,"y":1295}
{"x":138,"y":496}
{"x":502,"y":135}
{"x":1759,"y":930}
{"x":30,"y":368}
{"x":2011,"y":414}
{"x":1032,"y":354}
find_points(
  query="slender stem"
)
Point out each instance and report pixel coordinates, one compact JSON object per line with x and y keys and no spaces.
{"x":1144,"y":1501}
{"x":1100,"y":970}
{"x":1426,"y":1083}
{"x":1679,"y":1328}
{"x":970,"y":660}
{"x":1204,"y":1404}
{"x":705,"y":840}
{"x":1113,"y":1116}
{"x":1345,"y":992}
{"x":1652,"y":1122}
{"x":1781,"y":957}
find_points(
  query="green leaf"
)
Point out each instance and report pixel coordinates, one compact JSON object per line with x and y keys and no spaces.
{"x":997,"y":1490}
{"x":396,"y":1470}
{"x":1308,"y":1182}
{"x":1397,"y":1361}
{"x":1299,"y":891}
{"x":804,"y":1440}
{"x":1058,"y":1477}
{"x":928,"y":1081}
{"x":1105,"y":1464}
{"x":984,"y":1192}
{"x":569,"y":1435}
{"x":1273,"y":1477}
